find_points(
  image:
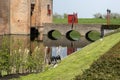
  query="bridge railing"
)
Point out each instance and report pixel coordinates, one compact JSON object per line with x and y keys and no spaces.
{"x":108,"y":27}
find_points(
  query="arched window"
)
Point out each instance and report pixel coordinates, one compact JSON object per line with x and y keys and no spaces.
{"x":48,"y":10}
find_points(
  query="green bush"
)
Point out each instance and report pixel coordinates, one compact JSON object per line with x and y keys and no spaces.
{"x":4,"y":56}
{"x":17,"y":58}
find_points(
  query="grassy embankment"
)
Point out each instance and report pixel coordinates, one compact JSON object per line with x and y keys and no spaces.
{"x":107,"y":67}
{"x":75,"y":64}
{"x":88,"y":21}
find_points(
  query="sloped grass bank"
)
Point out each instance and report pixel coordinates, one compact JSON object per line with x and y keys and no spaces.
{"x":75,"y":64}
{"x":105,"y":68}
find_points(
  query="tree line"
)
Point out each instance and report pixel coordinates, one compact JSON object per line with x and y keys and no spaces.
{"x":96,"y":15}
{"x":112,"y":15}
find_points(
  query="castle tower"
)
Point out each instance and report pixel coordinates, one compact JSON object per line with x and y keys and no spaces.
{"x":18,"y":16}
{"x":41,"y":12}
{"x":46,"y":11}
{"x":14,"y":17}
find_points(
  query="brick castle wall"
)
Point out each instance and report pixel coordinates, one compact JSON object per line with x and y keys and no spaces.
{"x":19,"y":16}
{"x":42,"y":12}
{"x":15,"y":15}
{"x":4,"y":17}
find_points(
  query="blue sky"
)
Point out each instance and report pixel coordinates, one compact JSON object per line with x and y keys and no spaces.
{"x":85,"y":8}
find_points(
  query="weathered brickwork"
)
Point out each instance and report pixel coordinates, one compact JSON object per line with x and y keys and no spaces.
{"x":16,"y":18}
{"x":42,"y":12}
{"x":46,"y":16}
{"x":4,"y":17}
{"x":19,"y":16}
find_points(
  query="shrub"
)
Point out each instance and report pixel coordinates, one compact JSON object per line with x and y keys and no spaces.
{"x":17,"y":58}
{"x":4,"y":56}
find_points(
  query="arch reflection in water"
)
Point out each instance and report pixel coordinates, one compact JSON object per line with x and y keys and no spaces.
{"x":64,"y":42}
{"x":54,"y":34}
{"x":63,"y":46}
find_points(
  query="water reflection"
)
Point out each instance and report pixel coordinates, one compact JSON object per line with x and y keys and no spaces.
{"x":64,"y":42}
{"x":25,"y":56}
{"x":62,"y":51}
{"x":62,"y":47}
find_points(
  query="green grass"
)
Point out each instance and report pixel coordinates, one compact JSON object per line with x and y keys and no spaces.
{"x":59,"y":21}
{"x":88,"y":21}
{"x":75,"y":64}
{"x":107,"y":67}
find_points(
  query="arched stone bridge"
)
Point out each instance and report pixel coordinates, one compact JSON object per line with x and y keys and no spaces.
{"x":64,"y":28}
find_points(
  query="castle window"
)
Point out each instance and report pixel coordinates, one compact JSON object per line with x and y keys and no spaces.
{"x":32,"y":8}
{"x":48,"y":10}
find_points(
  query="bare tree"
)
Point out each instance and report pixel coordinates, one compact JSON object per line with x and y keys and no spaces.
{"x":56,"y":15}
{"x":98,"y":15}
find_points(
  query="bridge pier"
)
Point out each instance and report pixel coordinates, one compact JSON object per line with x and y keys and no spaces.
{"x":41,"y":29}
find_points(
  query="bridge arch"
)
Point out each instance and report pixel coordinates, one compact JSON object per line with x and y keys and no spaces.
{"x":54,"y":34}
{"x":92,"y":35}
{"x":73,"y":35}
{"x":63,"y":28}
{"x":83,"y":29}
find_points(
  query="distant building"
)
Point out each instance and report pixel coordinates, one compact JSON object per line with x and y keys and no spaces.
{"x":18,"y":16}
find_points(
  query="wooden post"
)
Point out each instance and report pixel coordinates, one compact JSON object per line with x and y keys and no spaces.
{"x":108,"y":16}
